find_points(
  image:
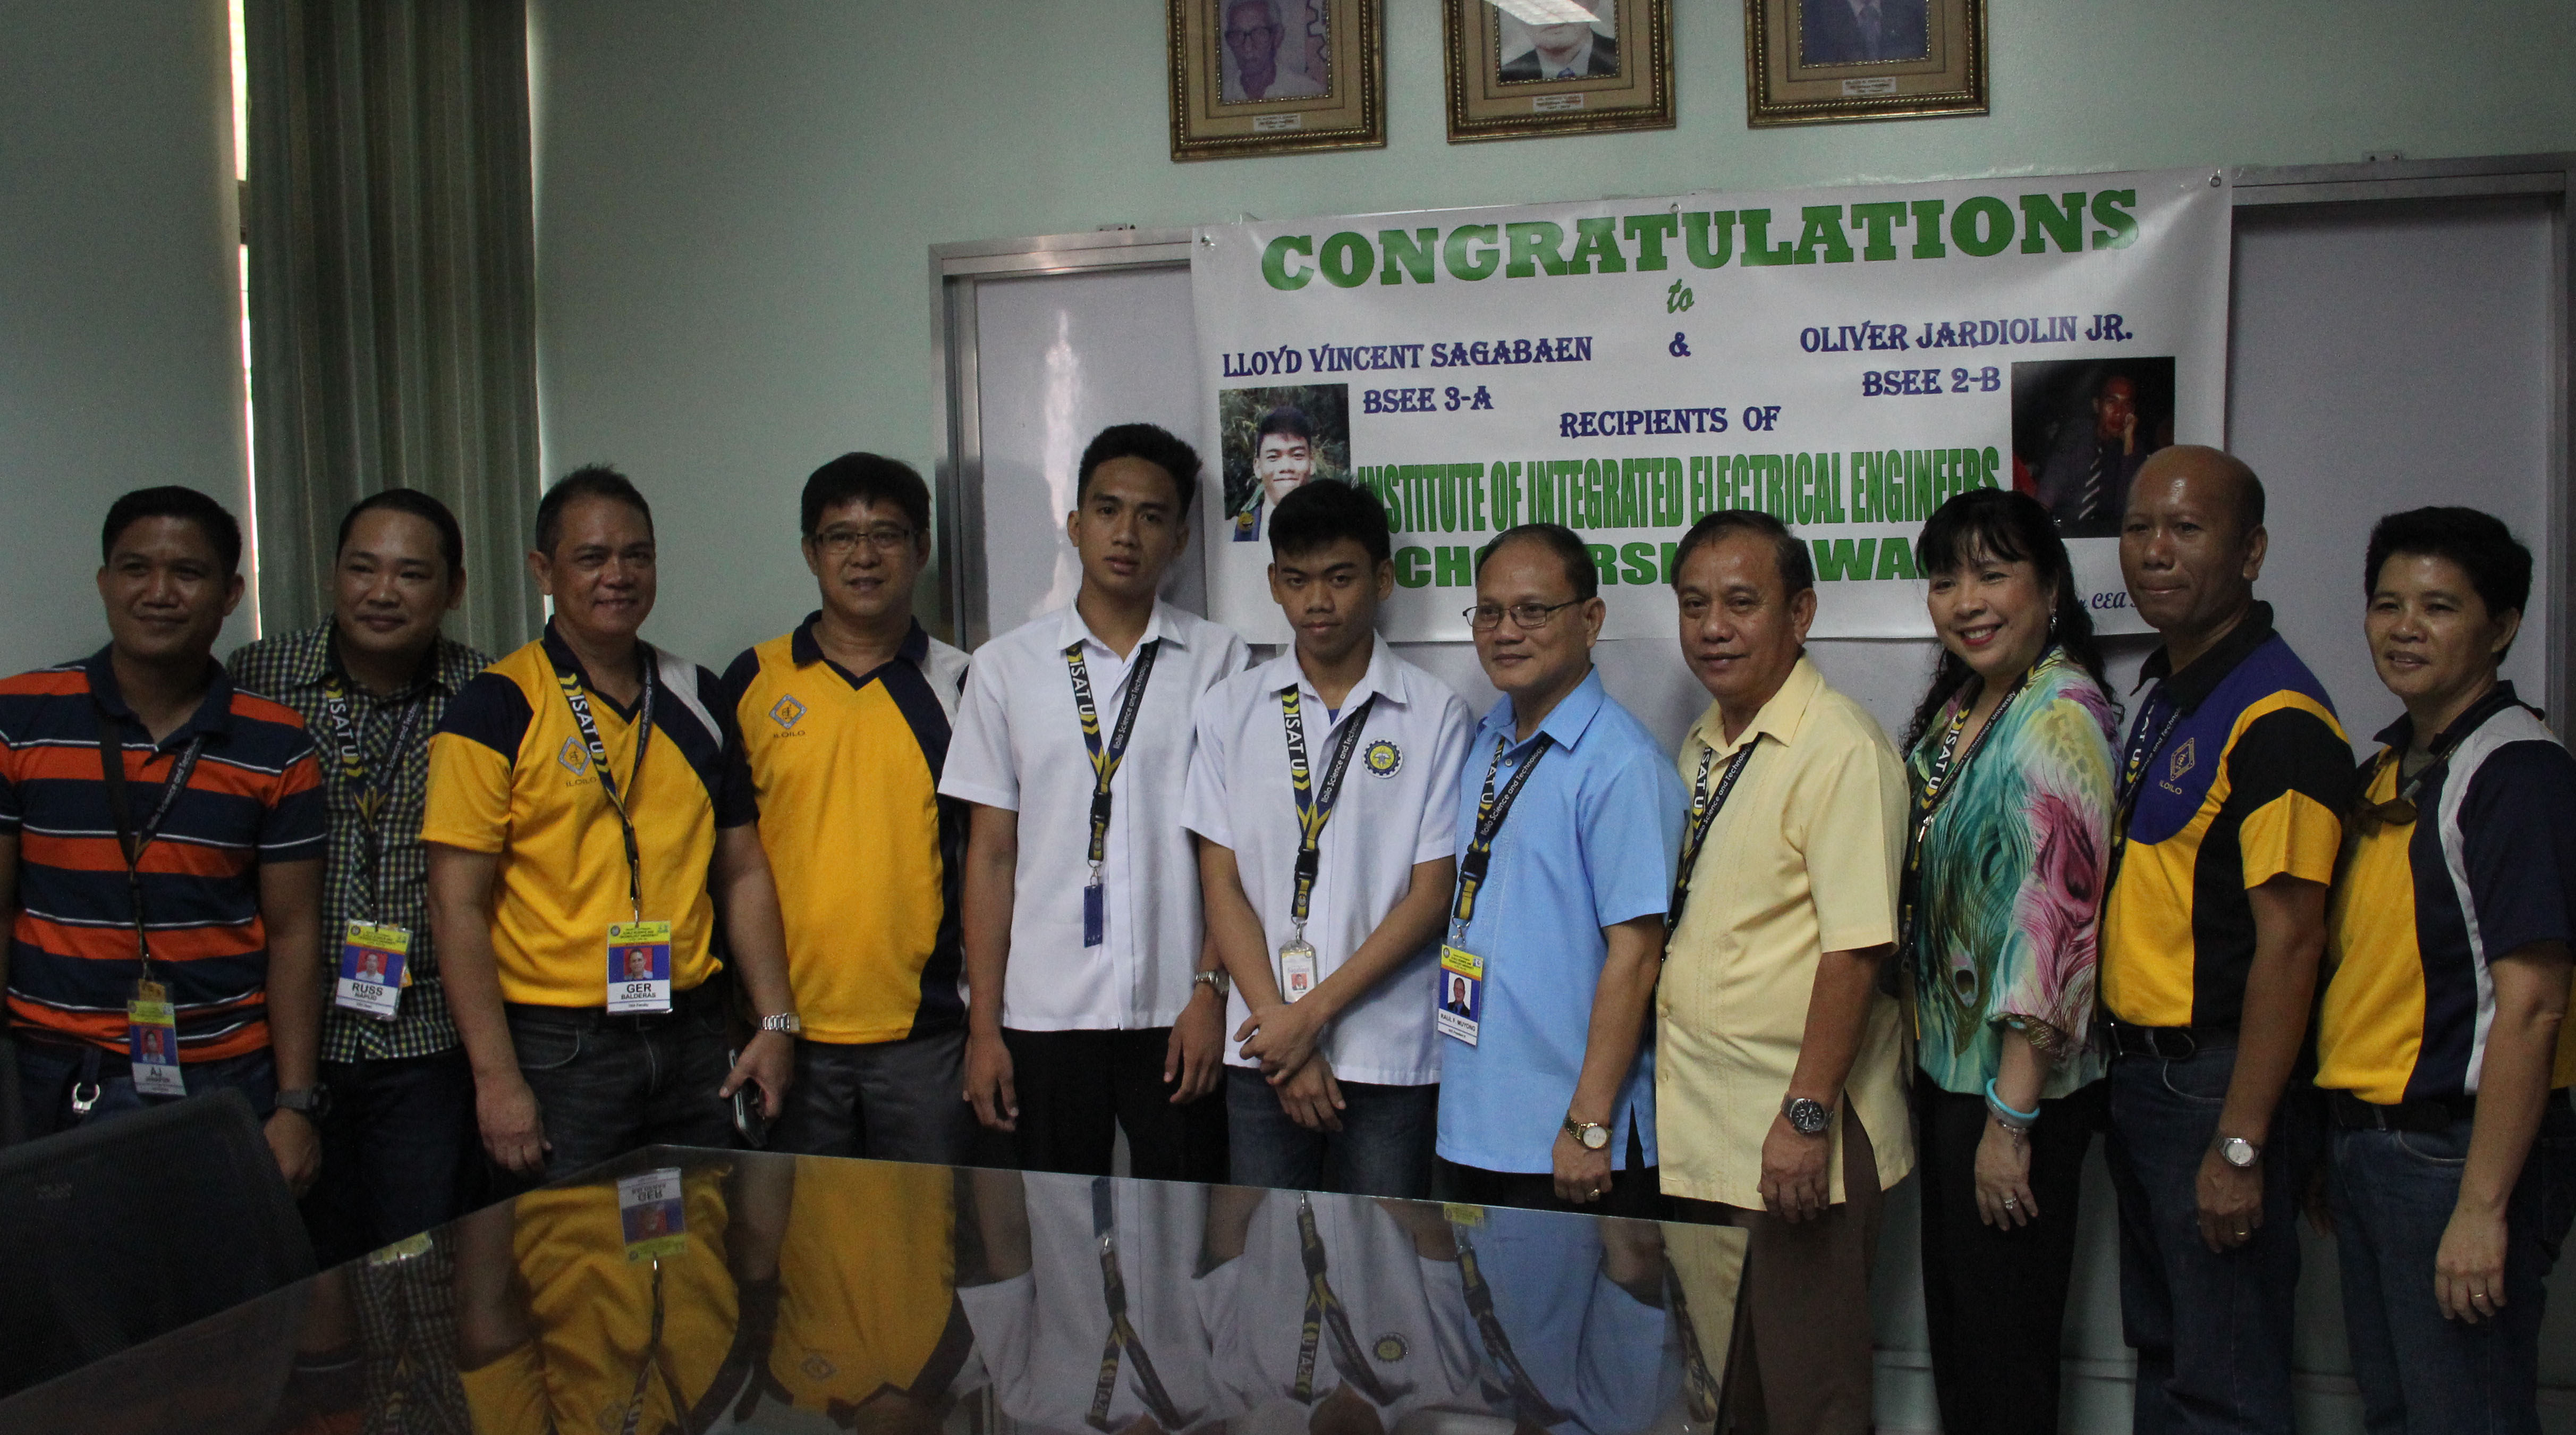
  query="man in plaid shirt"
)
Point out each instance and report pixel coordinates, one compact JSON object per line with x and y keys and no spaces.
{"x":372,"y":682}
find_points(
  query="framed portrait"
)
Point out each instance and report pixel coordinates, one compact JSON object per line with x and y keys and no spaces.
{"x":1519,"y":68}
{"x":1810,"y":62}
{"x":1275,"y":76}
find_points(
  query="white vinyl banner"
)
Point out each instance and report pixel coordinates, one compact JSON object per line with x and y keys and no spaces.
{"x":1844,"y":359}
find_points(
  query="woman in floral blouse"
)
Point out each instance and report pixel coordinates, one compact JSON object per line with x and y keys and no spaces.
{"x":2009,"y":757}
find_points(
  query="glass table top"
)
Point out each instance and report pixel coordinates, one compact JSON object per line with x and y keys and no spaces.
{"x":681,"y":1289}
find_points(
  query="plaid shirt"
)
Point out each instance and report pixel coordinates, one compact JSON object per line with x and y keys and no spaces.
{"x":298,"y":669}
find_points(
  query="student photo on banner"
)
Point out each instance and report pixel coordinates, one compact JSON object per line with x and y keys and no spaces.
{"x":2081,"y":430}
{"x":1273,"y":50}
{"x":1560,"y":50}
{"x":1274,"y":440}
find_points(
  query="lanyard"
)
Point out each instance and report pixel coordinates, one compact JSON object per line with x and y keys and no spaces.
{"x":370,"y":798}
{"x":1324,"y":1312}
{"x":1491,"y":809}
{"x":1123,"y":1338}
{"x":1704,"y":810}
{"x":1314,"y":803}
{"x":1104,"y":762}
{"x":579,"y":701}
{"x":2142,"y":754}
{"x":1528,"y":1401}
{"x":131,"y":843}
{"x":1949,"y":769}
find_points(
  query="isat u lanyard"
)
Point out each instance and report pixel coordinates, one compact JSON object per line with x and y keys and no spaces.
{"x":370,"y":797}
{"x":1123,"y":1339}
{"x":1326,"y":1314}
{"x":1704,"y":809}
{"x":579,"y":702}
{"x":1491,"y":808}
{"x":2141,"y":755}
{"x":132,"y":842}
{"x":1105,"y":761}
{"x":1315,"y":800}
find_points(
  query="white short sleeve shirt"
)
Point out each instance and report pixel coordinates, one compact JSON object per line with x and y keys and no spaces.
{"x":1397,"y":806}
{"x":1018,"y":746}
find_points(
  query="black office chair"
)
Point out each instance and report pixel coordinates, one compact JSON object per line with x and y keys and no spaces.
{"x":115,"y":1233}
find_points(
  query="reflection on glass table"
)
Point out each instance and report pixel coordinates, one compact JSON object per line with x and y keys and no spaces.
{"x":685,"y":1290}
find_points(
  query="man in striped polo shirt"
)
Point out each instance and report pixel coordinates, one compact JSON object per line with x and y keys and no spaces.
{"x":161,"y":837}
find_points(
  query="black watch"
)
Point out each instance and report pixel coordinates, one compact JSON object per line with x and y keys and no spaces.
{"x":1806,"y":1115}
{"x":312,"y":1102}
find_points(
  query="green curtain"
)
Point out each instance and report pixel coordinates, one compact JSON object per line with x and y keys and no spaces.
{"x":390,"y":217}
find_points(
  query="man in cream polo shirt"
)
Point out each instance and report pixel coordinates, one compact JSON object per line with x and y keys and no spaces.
{"x":1093,"y":1001}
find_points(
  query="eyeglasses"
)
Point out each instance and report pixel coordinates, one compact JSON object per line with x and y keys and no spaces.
{"x":842,"y":542}
{"x":1528,"y":617}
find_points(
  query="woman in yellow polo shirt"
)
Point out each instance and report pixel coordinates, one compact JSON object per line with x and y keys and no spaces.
{"x":2010,"y":766}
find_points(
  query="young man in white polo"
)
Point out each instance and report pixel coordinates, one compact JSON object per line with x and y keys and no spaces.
{"x":1093,"y":1001}
{"x":1322,"y":792}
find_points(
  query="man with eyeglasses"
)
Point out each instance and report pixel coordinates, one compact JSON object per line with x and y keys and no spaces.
{"x":845,"y":722}
{"x":1253,"y":34}
{"x":1569,"y":821}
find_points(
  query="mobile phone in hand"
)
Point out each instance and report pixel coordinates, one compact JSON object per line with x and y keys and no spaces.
{"x":749,"y":1118}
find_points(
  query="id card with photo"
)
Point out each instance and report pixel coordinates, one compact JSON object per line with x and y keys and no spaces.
{"x":152,"y":1046}
{"x":650,"y":1213}
{"x":375,"y":965}
{"x":1462,"y":993}
{"x":1296,"y":970}
{"x":639,"y":967}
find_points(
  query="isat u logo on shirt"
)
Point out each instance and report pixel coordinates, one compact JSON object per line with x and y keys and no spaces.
{"x":1382,"y":758}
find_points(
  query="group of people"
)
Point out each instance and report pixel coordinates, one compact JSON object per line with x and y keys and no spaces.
{"x":1312,"y":924}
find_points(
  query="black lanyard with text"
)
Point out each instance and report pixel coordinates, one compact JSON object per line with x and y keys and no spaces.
{"x":1123,"y":1339}
{"x":370,"y":798}
{"x":2142,"y":754}
{"x":1491,"y":809}
{"x":579,"y":702}
{"x":1704,"y":810}
{"x":132,"y":842}
{"x":1105,"y":761}
{"x":1314,"y":802}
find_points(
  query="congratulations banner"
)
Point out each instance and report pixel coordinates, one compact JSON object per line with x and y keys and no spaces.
{"x":1844,"y":359}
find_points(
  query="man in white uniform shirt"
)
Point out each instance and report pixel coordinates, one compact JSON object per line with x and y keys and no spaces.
{"x":1094,"y":1002}
{"x":1322,"y":791}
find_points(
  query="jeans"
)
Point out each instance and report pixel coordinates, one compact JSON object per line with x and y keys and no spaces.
{"x":398,"y":1153}
{"x":1383,"y":1148}
{"x":605,"y":1086}
{"x":2420,"y":1374}
{"x":48,"y":1074}
{"x":886,"y":1101}
{"x":2212,"y":1331}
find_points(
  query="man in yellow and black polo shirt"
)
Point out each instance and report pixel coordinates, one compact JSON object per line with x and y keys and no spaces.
{"x":2443,"y":1046}
{"x":2232,"y":789}
{"x":587,"y":815}
{"x":845,"y":724}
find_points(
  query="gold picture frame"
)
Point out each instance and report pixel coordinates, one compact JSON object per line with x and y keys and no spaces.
{"x":1617,"y":74}
{"x":1809,"y":62}
{"x":1320,"y":85}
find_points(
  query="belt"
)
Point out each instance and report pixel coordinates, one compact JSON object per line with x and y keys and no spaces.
{"x":2172,"y":1043}
{"x":698,"y":1000}
{"x":2432,"y":1114}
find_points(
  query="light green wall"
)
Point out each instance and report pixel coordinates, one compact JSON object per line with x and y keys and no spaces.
{"x":735,"y":200}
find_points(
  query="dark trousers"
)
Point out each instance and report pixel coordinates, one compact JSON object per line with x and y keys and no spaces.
{"x":398,"y":1153}
{"x":1383,"y":1148}
{"x":1078,"y":1089}
{"x":53,"y":1078}
{"x":607,"y":1085}
{"x":2212,"y":1331}
{"x":1636,"y":1189}
{"x":886,"y":1101}
{"x":1994,"y":1299}
{"x":1803,"y":1356}
{"x":2420,"y":1374}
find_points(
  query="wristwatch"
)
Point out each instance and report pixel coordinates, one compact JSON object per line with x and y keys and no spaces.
{"x":1592,"y":1134}
{"x":311,"y":1102}
{"x":786,"y":1021}
{"x":1217,"y":982}
{"x":2238,"y":1152}
{"x":1806,"y":1115}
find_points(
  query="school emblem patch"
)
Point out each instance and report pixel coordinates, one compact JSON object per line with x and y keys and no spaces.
{"x":787,"y":712}
{"x":574,"y":757}
{"x":1382,"y":758}
{"x":1390,"y":1348}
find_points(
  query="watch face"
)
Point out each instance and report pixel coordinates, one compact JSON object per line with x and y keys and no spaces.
{"x":2237,"y":1151}
{"x":1595,"y":1137}
{"x":1807,"y":1116}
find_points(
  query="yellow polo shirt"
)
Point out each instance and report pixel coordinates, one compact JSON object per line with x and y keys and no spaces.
{"x":509,"y":774}
{"x":868,"y":1285}
{"x":1803,"y":860}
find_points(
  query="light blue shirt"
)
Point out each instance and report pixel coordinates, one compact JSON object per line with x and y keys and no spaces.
{"x":1590,"y":843}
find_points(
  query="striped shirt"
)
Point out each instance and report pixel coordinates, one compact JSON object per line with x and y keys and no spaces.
{"x":254,"y":796}
{"x":299,"y":669}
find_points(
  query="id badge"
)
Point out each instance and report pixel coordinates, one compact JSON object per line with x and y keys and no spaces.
{"x":1095,"y":914}
{"x":375,"y":965}
{"x":152,"y":1041}
{"x":639,"y":967}
{"x":1462,"y":993}
{"x":649,"y":1211}
{"x":1296,"y":968}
